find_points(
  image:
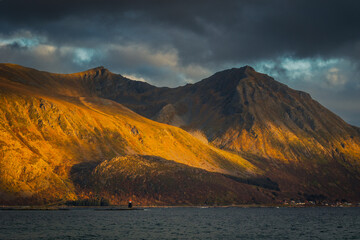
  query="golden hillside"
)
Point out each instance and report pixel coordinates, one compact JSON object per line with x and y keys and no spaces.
{"x":70,"y":136}
{"x":45,"y":131}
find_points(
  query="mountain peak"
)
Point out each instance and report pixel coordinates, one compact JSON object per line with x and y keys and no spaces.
{"x":249,"y":68}
{"x":229,"y":77}
{"x":99,"y":68}
{"x":97,"y":71}
{"x":236,"y":71}
{"x":241,"y":69}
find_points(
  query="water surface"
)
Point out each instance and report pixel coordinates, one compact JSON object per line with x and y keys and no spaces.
{"x":183,"y":223}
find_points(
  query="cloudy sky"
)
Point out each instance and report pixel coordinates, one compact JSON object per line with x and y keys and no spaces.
{"x":312,"y":46}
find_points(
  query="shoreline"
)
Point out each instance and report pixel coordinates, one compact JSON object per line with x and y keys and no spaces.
{"x":122,"y":207}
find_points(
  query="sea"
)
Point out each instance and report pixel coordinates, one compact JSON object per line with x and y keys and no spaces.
{"x":183,"y":223}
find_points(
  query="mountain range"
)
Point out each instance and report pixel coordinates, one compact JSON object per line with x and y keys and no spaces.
{"x":238,"y":136}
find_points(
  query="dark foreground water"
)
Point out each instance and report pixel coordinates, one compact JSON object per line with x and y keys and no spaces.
{"x":183,"y":223}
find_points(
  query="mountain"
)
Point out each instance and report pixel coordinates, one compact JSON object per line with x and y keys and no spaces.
{"x":237,"y":137}
{"x":54,"y":130}
{"x":296,"y":141}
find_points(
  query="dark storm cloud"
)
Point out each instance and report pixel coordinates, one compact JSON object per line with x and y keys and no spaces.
{"x":250,"y":29}
{"x":309,"y":45}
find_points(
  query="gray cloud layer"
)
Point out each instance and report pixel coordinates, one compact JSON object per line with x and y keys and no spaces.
{"x":312,"y":46}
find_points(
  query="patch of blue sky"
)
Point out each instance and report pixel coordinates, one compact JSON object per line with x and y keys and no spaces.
{"x":83,"y":55}
{"x":295,"y":69}
{"x":21,"y":41}
{"x":302,"y":65}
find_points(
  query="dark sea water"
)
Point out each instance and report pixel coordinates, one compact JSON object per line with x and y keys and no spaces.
{"x":183,"y":223}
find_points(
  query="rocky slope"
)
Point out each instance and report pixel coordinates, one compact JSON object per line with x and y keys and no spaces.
{"x":58,"y":134}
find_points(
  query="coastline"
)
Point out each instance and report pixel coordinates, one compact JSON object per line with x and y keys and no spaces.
{"x":122,"y":207}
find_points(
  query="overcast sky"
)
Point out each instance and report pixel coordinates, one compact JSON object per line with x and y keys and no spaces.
{"x":312,"y":46}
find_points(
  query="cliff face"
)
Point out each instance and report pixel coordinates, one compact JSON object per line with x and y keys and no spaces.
{"x":248,"y":138}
